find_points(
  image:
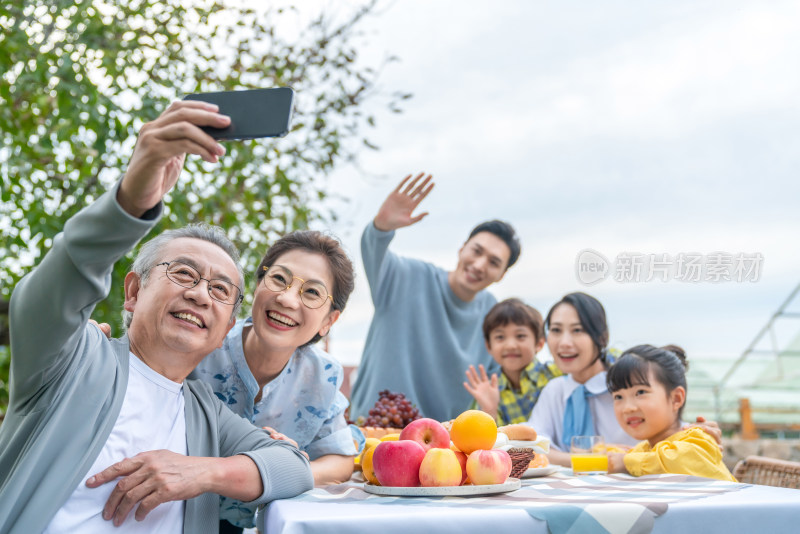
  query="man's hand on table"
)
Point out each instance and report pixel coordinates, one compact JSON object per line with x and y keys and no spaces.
{"x":396,"y":211}
{"x":155,"y":477}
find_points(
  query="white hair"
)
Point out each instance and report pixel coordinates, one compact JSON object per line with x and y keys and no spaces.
{"x":150,"y":253}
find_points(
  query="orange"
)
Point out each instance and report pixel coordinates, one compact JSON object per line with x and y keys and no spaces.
{"x":366,"y":467}
{"x":473,"y":430}
{"x":371,"y":442}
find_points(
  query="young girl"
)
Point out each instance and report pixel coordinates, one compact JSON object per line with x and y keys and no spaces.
{"x":579,"y":403}
{"x":648,"y":385}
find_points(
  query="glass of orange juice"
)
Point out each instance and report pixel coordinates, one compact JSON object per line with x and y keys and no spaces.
{"x":588,"y":455}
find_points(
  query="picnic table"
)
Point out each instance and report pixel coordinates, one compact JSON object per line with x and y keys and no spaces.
{"x":557,"y":503}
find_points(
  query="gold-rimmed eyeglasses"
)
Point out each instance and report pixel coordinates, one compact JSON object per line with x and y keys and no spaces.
{"x":185,"y":275}
{"x":313,"y":294}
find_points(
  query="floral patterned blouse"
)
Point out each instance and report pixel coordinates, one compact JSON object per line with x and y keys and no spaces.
{"x":303,"y":402}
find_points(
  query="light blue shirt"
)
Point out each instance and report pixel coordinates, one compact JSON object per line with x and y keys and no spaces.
{"x":303,"y":401}
{"x":422,"y":337}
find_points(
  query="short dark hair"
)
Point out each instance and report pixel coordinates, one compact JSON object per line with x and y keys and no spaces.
{"x":504,"y":231}
{"x":668,"y":364}
{"x":318,"y":243}
{"x":513,"y":311}
{"x":592,"y":316}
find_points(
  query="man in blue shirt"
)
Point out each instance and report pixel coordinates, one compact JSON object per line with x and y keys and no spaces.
{"x":426,"y":330}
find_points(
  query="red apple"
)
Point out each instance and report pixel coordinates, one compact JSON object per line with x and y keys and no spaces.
{"x":427,"y":432}
{"x":396,"y":463}
{"x":440,"y":467}
{"x":488,"y":467}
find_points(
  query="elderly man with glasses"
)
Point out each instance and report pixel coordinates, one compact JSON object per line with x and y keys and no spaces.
{"x":103,"y":433}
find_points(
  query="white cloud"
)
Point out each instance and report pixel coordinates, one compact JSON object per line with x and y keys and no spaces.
{"x":660,"y":128}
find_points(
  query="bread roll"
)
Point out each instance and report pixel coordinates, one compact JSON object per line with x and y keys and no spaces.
{"x":539,"y":460}
{"x":518,"y":432}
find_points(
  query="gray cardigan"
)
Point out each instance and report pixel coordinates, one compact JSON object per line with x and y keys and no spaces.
{"x":68,"y":382}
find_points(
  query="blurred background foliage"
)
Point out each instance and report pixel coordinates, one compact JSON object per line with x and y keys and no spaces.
{"x":79,"y":78}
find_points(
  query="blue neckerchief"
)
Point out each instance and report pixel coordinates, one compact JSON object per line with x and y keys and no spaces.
{"x":577,"y":416}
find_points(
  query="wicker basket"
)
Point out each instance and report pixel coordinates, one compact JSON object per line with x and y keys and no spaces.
{"x":768,"y":472}
{"x":520,"y":459}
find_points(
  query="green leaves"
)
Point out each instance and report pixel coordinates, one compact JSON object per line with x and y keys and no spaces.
{"x":79,"y":78}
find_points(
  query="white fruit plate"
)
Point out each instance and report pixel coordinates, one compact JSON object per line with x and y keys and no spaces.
{"x":444,"y":491}
{"x":534,"y":472}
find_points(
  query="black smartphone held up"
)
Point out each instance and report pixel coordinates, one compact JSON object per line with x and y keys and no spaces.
{"x":254,"y":113}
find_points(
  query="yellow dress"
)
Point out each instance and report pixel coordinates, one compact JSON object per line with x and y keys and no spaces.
{"x":688,"y":452}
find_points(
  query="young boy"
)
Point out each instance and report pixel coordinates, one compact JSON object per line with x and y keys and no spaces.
{"x":514,"y":333}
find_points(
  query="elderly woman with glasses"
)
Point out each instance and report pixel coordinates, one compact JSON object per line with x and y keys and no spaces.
{"x":269,"y":371}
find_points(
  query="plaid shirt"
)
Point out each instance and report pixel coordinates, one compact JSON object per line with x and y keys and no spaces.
{"x":516,"y":406}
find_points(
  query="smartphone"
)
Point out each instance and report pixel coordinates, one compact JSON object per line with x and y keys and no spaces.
{"x":254,"y":113}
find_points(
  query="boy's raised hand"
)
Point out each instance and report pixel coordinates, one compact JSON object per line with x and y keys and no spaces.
{"x":484,"y":389}
{"x":396,"y":211}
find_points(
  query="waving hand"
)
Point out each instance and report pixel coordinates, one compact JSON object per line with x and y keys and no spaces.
{"x":398,"y":208}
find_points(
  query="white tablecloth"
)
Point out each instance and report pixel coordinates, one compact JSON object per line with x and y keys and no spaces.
{"x":733,"y":508}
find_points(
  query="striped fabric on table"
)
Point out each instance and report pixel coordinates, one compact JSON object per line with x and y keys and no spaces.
{"x":614,"y":504}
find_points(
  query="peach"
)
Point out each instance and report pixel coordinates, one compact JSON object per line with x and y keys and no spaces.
{"x":488,"y":467}
{"x":462,"y":460}
{"x":396,"y":463}
{"x":440,"y":467}
{"x":427,"y":432}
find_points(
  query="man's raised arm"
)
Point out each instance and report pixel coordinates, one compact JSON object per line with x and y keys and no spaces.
{"x":61,"y":292}
{"x":397,"y":211}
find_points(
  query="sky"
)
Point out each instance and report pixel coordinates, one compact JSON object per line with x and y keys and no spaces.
{"x":624,"y":128}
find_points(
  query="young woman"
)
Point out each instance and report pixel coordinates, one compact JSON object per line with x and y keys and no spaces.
{"x":269,"y":370}
{"x":578,"y":403}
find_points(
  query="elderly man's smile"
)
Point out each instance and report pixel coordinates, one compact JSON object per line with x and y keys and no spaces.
{"x":190,"y":318}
